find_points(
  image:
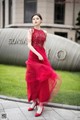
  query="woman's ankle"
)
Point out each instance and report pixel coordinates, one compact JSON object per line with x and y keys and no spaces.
{"x":33,"y":104}
{"x":40,"y":104}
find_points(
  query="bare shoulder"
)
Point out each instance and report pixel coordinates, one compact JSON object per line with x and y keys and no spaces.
{"x":45,"y":32}
{"x":30,"y":30}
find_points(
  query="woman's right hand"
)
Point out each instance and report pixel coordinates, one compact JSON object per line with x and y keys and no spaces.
{"x":40,"y":57}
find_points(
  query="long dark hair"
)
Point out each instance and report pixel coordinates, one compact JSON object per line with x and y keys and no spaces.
{"x":37,"y":15}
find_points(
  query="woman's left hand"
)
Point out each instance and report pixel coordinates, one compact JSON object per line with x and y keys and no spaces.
{"x":40,"y":57}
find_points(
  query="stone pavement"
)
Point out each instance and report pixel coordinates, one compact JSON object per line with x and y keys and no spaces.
{"x":16,"y":109}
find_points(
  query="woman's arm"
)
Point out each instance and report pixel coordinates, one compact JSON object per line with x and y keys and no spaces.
{"x":45,"y":41}
{"x":46,"y":49}
{"x":29,"y":37}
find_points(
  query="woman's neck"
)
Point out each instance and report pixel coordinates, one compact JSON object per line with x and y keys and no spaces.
{"x":37,"y":27}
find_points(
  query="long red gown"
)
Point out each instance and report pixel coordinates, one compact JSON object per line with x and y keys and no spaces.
{"x":41,"y":79}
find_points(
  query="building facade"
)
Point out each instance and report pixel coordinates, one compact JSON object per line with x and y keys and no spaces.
{"x":59,"y":16}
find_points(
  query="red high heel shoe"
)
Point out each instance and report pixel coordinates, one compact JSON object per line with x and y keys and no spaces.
{"x":30,"y":109}
{"x":38,"y":114}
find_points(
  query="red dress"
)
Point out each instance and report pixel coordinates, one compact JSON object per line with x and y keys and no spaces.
{"x":40,"y":77}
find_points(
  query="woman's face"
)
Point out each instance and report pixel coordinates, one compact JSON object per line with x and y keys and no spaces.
{"x":36,"y":20}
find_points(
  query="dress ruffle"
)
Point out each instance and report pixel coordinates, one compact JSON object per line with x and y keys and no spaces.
{"x":42,"y":82}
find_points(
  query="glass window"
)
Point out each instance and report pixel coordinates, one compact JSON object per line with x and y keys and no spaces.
{"x":30,"y":7}
{"x":63,"y":34}
{"x":3,"y":7}
{"x":10,"y":11}
{"x":59,"y":11}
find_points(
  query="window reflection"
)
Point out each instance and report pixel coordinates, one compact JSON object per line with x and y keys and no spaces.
{"x":59,"y":11}
{"x":30,"y":7}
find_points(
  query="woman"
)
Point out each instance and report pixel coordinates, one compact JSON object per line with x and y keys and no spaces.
{"x":40,"y":77}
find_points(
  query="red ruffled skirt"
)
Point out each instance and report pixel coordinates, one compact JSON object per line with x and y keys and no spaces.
{"x":42,"y":81}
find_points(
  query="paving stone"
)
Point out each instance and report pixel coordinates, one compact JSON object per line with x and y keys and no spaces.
{"x":9,"y":104}
{"x":22,"y":104}
{"x":15,"y":114}
{"x":66,"y":114}
{"x":52,"y":115}
{"x":47,"y":108}
{"x":36,"y":118}
{"x":1,"y":107}
{"x":76,"y":112}
{"x":2,"y":112}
